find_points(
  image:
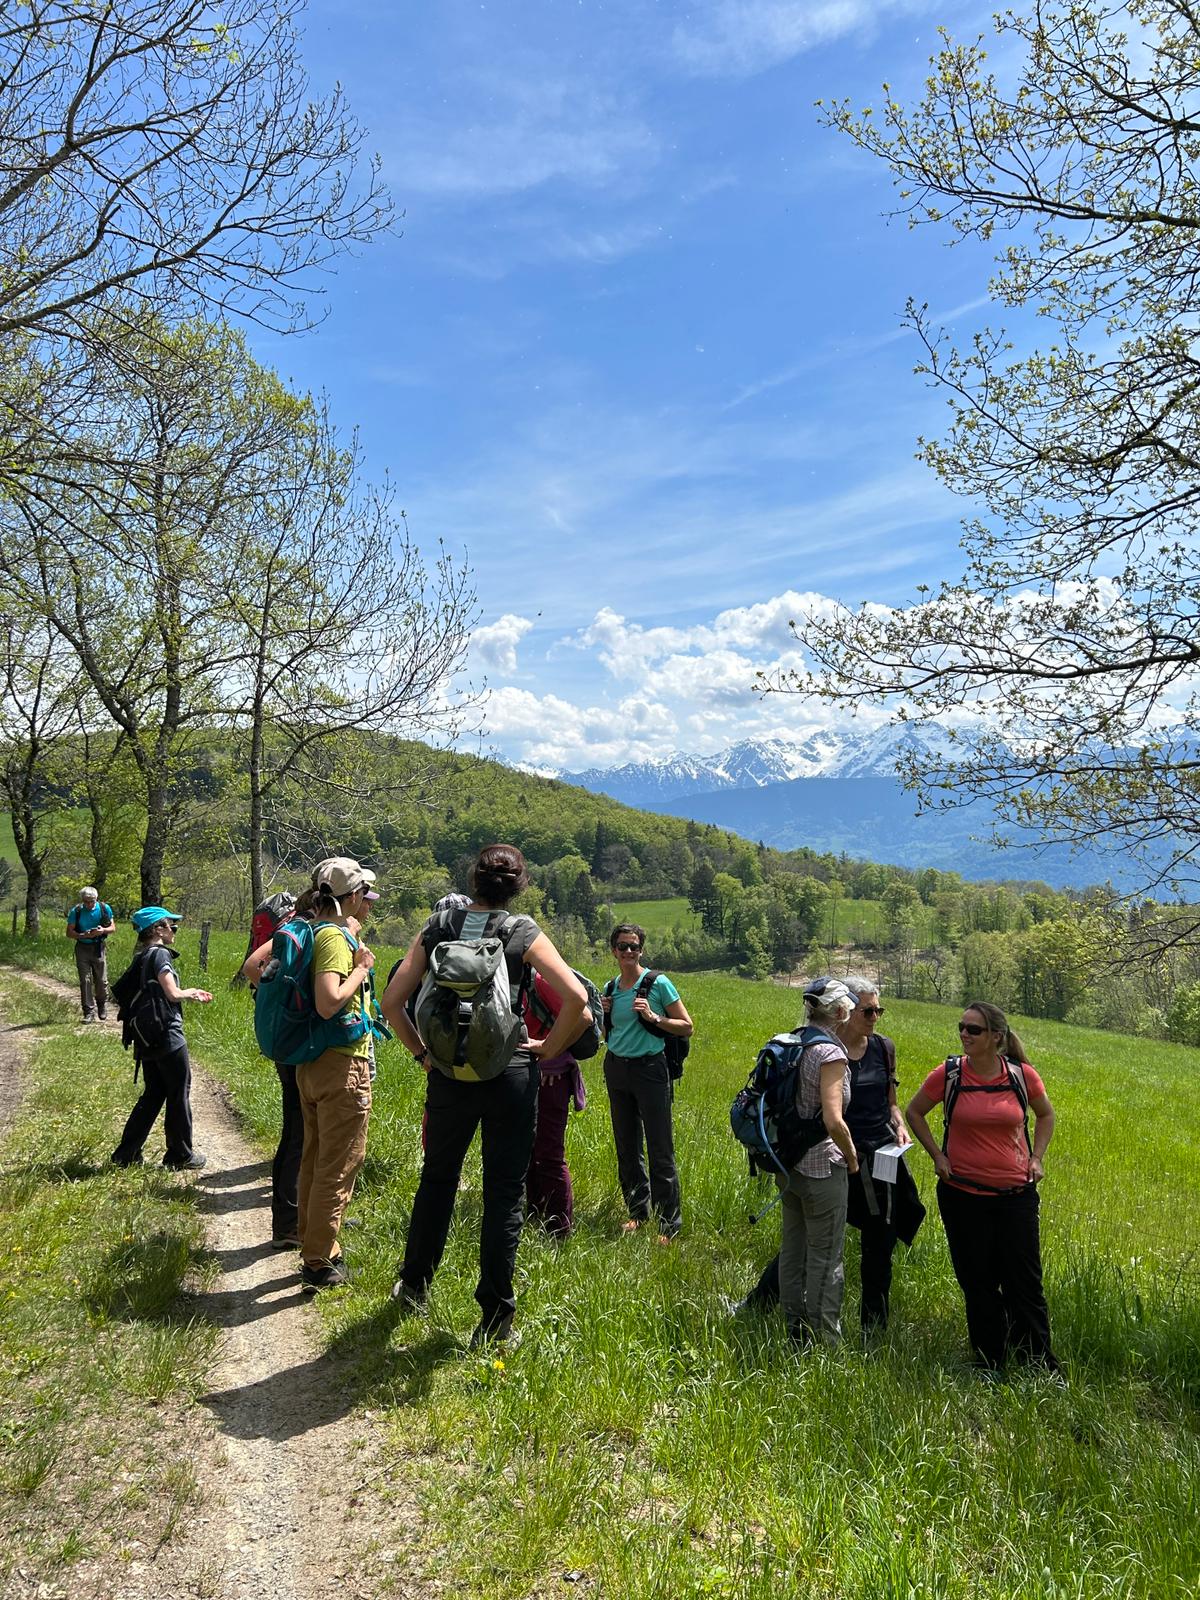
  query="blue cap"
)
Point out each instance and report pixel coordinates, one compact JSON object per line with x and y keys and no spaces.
{"x":149,"y":915}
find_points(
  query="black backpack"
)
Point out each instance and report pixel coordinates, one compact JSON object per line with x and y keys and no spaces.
{"x":143,"y":1010}
{"x":1013,"y":1081}
{"x":675,"y":1048}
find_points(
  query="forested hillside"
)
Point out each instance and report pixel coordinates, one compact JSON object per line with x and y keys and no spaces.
{"x":711,"y":899}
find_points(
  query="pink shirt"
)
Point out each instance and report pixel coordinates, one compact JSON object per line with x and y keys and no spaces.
{"x":987,"y":1138}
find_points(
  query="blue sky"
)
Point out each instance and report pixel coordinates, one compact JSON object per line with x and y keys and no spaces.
{"x":637,"y":348}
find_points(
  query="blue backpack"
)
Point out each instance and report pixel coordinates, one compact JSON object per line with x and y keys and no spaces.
{"x":287,"y":1025}
{"x":764,"y":1117}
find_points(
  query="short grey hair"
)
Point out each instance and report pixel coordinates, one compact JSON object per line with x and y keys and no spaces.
{"x":858,"y":985}
{"x":89,"y":888}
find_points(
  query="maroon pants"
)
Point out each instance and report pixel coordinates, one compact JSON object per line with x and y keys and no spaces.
{"x":548,"y":1192}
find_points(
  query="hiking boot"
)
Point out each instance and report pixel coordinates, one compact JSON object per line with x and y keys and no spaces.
{"x":286,"y":1241}
{"x":194,"y":1162}
{"x":88,"y":1018}
{"x":501,"y":1332}
{"x":414,"y":1301}
{"x":325,"y":1275}
{"x":117,"y":1159}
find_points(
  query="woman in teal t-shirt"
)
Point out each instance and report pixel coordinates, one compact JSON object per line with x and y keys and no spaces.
{"x":639,"y":1085}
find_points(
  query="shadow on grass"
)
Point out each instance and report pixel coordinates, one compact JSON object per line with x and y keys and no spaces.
{"x":25,"y":1027}
{"x":139,"y":1280}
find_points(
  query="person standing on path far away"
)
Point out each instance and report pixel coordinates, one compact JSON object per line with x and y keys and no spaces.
{"x":335,"y":1088}
{"x":988,"y":1175}
{"x":638,"y":1080}
{"x":503,"y":1106}
{"x":89,"y":924}
{"x":166,"y":1070}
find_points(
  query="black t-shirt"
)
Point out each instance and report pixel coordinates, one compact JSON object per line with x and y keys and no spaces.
{"x":869,"y":1114}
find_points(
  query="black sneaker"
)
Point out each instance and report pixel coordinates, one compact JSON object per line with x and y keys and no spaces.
{"x":327,"y":1275}
{"x":117,"y":1159}
{"x":501,"y":1332}
{"x":286,"y":1241}
{"x":194,"y":1162}
{"x":414,"y":1301}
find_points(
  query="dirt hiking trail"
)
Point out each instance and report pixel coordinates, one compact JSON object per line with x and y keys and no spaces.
{"x":288,"y":1508}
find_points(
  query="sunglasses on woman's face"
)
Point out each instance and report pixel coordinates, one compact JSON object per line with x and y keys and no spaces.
{"x":971,"y":1028}
{"x":872,"y":1011}
{"x":629,"y":949}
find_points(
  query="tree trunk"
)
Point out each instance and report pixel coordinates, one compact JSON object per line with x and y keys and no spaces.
{"x":155,"y":847}
{"x":33,"y":900}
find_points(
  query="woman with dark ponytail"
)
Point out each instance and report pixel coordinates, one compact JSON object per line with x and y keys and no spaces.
{"x":988,"y":1172}
{"x":502,"y":1107}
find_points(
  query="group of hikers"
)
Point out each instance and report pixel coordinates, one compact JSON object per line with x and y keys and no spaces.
{"x":498,"y":1020}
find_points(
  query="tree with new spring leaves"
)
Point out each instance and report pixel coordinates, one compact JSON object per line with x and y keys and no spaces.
{"x":162,"y":151}
{"x":1073,"y":630}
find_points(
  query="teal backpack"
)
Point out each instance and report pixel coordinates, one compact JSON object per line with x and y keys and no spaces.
{"x":287,"y":1025}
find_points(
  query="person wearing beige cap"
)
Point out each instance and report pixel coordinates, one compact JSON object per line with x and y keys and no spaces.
{"x":335,"y":1089}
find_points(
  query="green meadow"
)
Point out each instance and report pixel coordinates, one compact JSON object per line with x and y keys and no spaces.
{"x":646,"y":1444}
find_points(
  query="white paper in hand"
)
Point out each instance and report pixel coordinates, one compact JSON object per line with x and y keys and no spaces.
{"x":886,"y":1162}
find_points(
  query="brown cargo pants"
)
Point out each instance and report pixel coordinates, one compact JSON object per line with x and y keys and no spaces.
{"x":335,"y":1102}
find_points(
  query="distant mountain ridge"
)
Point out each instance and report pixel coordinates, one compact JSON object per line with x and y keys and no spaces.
{"x":756,"y":763}
{"x":838,"y":792}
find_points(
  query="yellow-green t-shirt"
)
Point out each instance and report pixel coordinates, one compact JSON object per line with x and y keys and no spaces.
{"x":332,"y":953}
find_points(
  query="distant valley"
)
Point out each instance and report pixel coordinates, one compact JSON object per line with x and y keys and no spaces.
{"x":839,"y":793}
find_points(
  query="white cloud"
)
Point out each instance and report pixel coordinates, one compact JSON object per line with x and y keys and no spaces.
{"x":495,"y":646}
{"x":736,"y":38}
{"x":690,"y":689}
{"x":534,"y":127}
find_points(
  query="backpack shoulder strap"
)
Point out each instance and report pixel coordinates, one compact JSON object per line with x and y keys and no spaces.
{"x":1020,"y":1087}
{"x":950,"y":1092}
{"x":646,"y":982}
{"x":889,"y":1051}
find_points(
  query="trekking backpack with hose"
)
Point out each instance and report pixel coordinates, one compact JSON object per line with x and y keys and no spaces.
{"x":675,"y":1047}
{"x":592,"y":1033}
{"x":287,"y":1025}
{"x":764,"y":1115}
{"x":1011,"y":1080}
{"x":146,"y":1016}
{"x":468,"y":1010}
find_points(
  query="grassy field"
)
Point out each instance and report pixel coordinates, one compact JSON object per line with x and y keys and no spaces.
{"x":98,"y":1354}
{"x":656,"y":916}
{"x":646,"y":1443}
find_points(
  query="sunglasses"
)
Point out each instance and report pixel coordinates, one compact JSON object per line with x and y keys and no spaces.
{"x":629,"y":949}
{"x":872,"y":1011}
{"x":972,"y":1029}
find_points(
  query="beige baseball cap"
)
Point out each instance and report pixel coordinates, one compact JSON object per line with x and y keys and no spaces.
{"x":343,"y":875}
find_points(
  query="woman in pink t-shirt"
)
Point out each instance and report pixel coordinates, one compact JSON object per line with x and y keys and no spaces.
{"x":988,"y":1173}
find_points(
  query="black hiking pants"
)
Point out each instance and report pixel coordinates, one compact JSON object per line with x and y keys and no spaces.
{"x":166,"y":1082}
{"x":285,"y":1169}
{"x":640,"y":1096}
{"x":995,"y":1249}
{"x":505,"y":1111}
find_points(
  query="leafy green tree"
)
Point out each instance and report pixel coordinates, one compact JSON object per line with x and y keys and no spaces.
{"x":1082,"y":572}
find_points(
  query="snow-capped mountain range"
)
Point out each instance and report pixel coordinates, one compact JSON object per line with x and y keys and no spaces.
{"x":755,"y":763}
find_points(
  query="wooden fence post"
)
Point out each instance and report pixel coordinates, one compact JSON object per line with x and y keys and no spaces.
{"x":205,"y":930}
{"x":14,"y":922}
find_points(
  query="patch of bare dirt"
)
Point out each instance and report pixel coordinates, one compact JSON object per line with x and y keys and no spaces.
{"x":287,"y":1473}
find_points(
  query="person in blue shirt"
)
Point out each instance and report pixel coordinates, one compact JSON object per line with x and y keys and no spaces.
{"x":640,"y":1090}
{"x":89,"y":924}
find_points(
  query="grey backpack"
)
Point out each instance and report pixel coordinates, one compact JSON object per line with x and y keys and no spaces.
{"x":468,"y":1012}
